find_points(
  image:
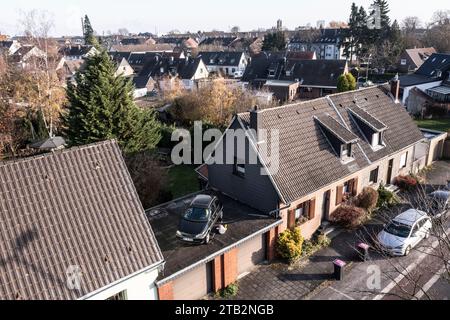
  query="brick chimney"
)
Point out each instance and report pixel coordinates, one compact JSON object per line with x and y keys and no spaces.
{"x":395,"y":88}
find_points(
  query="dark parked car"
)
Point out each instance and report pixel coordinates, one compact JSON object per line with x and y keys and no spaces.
{"x":439,"y":202}
{"x":199,"y":219}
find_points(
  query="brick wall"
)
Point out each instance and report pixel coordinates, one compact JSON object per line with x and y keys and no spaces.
{"x":218,"y":274}
{"x":165,"y":292}
{"x":230,"y":267}
{"x":271,"y":244}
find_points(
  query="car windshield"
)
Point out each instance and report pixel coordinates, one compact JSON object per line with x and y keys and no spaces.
{"x":398,"y":229}
{"x":197,"y":214}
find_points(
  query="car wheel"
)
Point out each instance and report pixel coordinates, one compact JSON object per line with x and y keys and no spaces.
{"x":407,"y":251}
{"x":207,"y":239}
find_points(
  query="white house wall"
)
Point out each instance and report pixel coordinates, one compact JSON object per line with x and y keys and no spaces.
{"x":422,"y":87}
{"x":138,"y":287}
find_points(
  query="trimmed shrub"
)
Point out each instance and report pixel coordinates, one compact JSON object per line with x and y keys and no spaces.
{"x":349,"y":216}
{"x":367,"y":199}
{"x":406,"y":183}
{"x":289,"y":244}
{"x":385,"y":197}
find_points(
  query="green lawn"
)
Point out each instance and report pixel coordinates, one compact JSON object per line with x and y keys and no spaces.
{"x":183,"y":180}
{"x":435,"y":124}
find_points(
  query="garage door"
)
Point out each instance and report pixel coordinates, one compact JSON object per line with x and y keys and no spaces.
{"x":194,"y":284}
{"x":251,"y":253}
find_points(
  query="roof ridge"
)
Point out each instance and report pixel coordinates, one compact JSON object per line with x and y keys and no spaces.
{"x":63,"y":151}
{"x":317,"y":99}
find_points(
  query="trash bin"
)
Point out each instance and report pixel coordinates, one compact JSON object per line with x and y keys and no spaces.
{"x":339,"y":266}
{"x":363,"y":251}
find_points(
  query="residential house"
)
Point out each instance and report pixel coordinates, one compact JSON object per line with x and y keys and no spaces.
{"x":78,"y":52}
{"x":412,"y":59}
{"x":327,"y":43}
{"x":301,"y":55}
{"x":431,"y":74}
{"x":228,"y":64}
{"x":123,"y":67}
{"x":187,"y":43}
{"x":67,"y":69}
{"x":160,"y":70}
{"x":291,"y":78}
{"x":137,"y":60}
{"x":28,"y":56}
{"x":143,"y":48}
{"x":328,"y":150}
{"x":137,"y":41}
{"x":73,"y":227}
{"x":10,"y":46}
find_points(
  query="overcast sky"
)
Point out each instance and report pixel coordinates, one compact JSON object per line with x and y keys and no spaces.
{"x":163,"y":16}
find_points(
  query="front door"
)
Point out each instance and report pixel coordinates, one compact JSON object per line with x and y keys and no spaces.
{"x":389,"y":172}
{"x":326,"y":205}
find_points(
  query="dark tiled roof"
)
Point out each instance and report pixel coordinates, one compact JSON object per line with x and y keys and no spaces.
{"x":76,"y":51}
{"x":259,"y":66}
{"x":367,"y":118}
{"x":415,"y":79}
{"x":336,"y":128}
{"x":221,"y":58}
{"x":49,"y":144}
{"x":157,"y":66}
{"x":307,"y":160}
{"x":319,"y":73}
{"x":220,"y":41}
{"x":300,"y":55}
{"x":76,"y":207}
{"x":437,"y":61}
{"x":322,"y":73}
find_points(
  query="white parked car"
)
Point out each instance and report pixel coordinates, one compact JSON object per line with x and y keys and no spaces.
{"x":405,"y":232}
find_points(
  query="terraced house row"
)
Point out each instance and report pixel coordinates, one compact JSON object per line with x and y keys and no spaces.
{"x":72,"y":226}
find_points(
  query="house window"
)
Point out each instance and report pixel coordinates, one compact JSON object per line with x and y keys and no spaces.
{"x":239,"y":168}
{"x":403,"y":160}
{"x":346,"y":188}
{"x":403,"y":62}
{"x":374,"y":175}
{"x":305,"y":212}
{"x":346,"y":151}
{"x":119,"y":297}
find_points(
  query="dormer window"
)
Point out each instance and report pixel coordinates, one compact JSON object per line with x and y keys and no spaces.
{"x":369,"y":126}
{"x":346,"y":151}
{"x":272,"y":73}
{"x":339,"y":137}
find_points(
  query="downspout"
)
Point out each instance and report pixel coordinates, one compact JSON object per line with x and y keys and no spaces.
{"x":276,"y":213}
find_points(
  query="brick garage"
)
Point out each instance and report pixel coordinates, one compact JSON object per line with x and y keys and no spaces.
{"x":220,"y":271}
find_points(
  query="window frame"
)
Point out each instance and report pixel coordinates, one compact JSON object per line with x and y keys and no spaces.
{"x":376,"y":173}
{"x":240,"y":173}
{"x":120,"y":296}
{"x":404,"y":160}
